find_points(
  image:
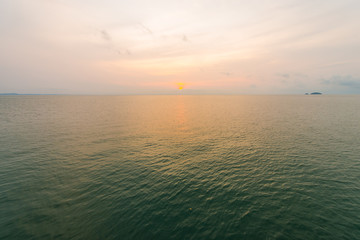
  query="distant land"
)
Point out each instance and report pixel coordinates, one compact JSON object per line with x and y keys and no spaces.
{"x":16,"y":94}
{"x":12,"y":94}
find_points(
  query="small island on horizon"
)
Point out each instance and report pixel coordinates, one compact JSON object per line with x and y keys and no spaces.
{"x":314,"y":93}
{"x":9,"y":94}
{"x":18,"y":94}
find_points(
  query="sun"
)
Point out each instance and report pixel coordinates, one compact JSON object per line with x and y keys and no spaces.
{"x":180,"y":86}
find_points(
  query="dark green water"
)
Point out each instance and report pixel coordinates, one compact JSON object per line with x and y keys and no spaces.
{"x":180,"y":167}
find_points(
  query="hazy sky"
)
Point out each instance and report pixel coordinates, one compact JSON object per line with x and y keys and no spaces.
{"x":146,"y":47}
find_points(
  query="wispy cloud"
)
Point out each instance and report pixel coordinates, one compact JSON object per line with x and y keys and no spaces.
{"x":343,"y":81}
{"x":185,"y":38}
{"x":334,"y":64}
{"x":105,"y":35}
{"x":283,"y":75}
{"x":226,"y":73}
{"x":145,"y":28}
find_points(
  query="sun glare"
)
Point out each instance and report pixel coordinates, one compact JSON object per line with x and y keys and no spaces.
{"x":180,"y":86}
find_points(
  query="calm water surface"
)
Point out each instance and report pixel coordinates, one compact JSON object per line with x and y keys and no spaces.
{"x":180,"y":167}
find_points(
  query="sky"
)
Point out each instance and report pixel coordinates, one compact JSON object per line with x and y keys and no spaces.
{"x":167,"y":47}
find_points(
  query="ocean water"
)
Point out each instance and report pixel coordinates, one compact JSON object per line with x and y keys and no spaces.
{"x":180,"y":167}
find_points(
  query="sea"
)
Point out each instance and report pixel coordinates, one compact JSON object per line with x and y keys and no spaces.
{"x":180,"y":167}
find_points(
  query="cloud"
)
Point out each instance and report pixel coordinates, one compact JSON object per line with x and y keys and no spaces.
{"x":284,"y":75}
{"x":146,"y":29}
{"x":335,"y":64}
{"x":226,"y":73}
{"x":111,"y":45}
{"x":342,"y":81}
{"x":105,"y":35}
